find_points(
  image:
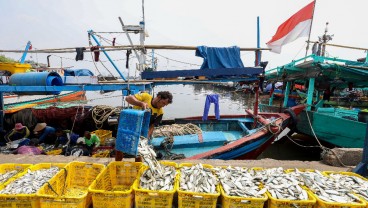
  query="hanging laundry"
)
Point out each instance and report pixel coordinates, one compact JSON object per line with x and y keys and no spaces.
{"x":113,"y":41}
{"x":96,"y":51}
{"x":129,"y":51}
{"x":214,"y":98}
{"x":79,"y":55}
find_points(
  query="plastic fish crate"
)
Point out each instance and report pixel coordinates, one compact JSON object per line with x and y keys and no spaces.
{"x":7,"y":167}
{"x":323,"y":204}
{"x":159,"y":199}
{"x":54,"y":152}
{"x":25,"y":200}
{"x":71,"y":185}
{"x":188,"y":199}
{"x":286,"y":203}
{"x":15,"y":67}
{"x":241,"y":202}
{"x":103,"y":135}
{"x":113,"y":188}
{"x":132,"y":125}
{"x":349,"y":174}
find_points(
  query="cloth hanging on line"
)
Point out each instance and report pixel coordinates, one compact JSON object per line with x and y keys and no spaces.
{"x":79,"y":55}
{"x":96,"y":51}
{"x":214,"y":98}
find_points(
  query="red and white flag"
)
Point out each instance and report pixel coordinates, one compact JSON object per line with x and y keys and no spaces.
{"x":296,"y":26}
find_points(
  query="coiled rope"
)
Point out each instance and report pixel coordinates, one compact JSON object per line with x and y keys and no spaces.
{"x":101,"y":113}
{"x":176,"y":130}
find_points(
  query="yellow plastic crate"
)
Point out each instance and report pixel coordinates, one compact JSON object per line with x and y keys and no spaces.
{"x":103,"y":135}
{"x":71,"y":185}
{"x":25,"y":200}
{"x":241,"y":202}
{"x":323,"y":204}
{"x":113,"y":187}
{"x":7,"y":167}
{"x":15,"y":67}
{"x":188,"y":199}
{"x":54,"y":152}
{"x":349,"y":174}
{"x":159,"y":199}
{"x":285,"y":203}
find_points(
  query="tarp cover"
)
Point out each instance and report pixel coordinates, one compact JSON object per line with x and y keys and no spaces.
{"x":215,"y":58}
{"x":77,"y":72}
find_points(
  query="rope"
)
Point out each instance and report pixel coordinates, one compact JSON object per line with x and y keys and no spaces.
{"x":101,"y":113}
{"x":325,"y":150}
{"x":168,"y":144}
{"x":176,"y":130}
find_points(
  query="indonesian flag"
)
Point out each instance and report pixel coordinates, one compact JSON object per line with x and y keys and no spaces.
{"x":296,"y":26}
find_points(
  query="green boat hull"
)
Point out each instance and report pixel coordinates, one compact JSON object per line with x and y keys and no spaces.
{"x":337,"y":131}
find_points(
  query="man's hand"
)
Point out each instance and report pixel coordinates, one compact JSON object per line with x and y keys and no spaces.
{"x":144,"y":105}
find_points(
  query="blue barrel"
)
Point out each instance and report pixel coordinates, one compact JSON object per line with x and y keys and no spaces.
{"x":36,"y":79}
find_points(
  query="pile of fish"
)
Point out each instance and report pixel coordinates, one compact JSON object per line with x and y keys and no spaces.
{"x":157,"y":177}
{"x":198,"y":179}
{"x":157,"y":180}
{"x":353,"y":183}
{"x":326,"y":188}
{"x":30,"y":182}
{"x":240,"y":182}
{"x":4,"y":177}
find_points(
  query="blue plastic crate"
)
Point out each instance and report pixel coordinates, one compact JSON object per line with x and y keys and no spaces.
{"x":132,"y":125}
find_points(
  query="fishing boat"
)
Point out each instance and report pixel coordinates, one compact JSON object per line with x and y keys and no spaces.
{"x":342,"y":127}
{"x":230,"y":137}
{"x":14,"y":103}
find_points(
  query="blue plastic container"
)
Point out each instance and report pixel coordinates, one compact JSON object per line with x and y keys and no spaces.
{"x":36,"y":79}
{"x":132,"y":125}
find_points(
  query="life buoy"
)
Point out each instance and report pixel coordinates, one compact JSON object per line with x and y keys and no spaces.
{"x":293,"y":118}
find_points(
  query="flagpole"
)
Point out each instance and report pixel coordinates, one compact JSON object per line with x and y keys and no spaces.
{"x":310,"y":28}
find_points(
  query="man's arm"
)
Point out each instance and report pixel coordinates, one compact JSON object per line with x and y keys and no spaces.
{"x":131,"y":99}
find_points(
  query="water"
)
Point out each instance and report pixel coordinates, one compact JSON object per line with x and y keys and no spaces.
{"x":188,"y":100}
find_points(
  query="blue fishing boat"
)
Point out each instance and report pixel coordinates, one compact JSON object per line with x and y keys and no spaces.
{"x":230,"y":137}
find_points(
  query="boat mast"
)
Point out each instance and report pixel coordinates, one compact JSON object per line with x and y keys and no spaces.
{"x":310,"y":28}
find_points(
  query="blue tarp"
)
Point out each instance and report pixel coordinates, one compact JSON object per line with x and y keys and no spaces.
{"x":215,"y":58}
{"x":77,"y":72}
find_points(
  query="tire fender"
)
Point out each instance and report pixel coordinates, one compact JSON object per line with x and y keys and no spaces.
{"x":293,"y":118}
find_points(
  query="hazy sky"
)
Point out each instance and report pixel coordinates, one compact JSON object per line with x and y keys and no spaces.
{"x":64,"y":23}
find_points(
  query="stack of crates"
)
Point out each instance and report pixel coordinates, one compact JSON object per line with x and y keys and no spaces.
{"x":103,"y":135}
{"x":194,"y":199}
{"x":5,"y":168}
{"x":69,"y":188}
{"x":113,"y":188}
{"x":159,"y":199}
{"x":25,"y":200}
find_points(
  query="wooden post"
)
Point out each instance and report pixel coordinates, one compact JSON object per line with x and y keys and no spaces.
{"x":1,"y":111}
{"x":310,"y":93}
{"x":286,"y":94}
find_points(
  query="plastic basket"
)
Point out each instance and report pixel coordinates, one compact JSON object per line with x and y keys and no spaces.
{"x":54,"y":152}
{"x":113,"y":187}
{"x":132,"y":125}
{"x":15,"y":67}
{"x":104,"y":151}
{"x":323,"y":204}
{"x":286,"y":203}
{"x":103,"y":135}
{"x":188,"y":199}
{"x":25,"y":200}
{"x":159,"y":199}
{"x":241,"y":202}
{"x":7,"y":167}
{"x":349,"y":174}
{"x":71,"y":185}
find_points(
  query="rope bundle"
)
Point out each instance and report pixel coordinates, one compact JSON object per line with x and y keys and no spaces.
{"x":176,"y":130}
{"x":101,"y":113}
